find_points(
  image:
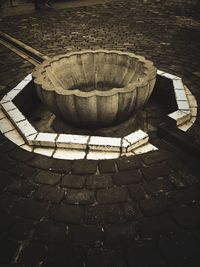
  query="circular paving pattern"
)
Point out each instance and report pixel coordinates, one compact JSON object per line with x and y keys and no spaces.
{"x":137,"y":211}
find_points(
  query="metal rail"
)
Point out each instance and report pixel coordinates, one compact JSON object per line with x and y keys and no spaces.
{"x":26,"y":52}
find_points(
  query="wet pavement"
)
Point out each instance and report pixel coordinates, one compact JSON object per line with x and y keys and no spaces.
{"x":140,"y":211}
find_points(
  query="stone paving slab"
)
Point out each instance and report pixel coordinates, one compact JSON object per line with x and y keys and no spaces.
{"x":140,"y":211}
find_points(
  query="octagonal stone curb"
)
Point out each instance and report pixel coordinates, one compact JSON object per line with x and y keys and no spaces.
{"x":185,"y":116}
{"x":27,"y":136}
{"x":17,"y":128}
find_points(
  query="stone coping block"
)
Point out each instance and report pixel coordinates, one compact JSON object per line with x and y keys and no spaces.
{"x":183,"y":114}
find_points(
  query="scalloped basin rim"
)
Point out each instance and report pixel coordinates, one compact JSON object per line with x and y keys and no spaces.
{"x":149,"y":70}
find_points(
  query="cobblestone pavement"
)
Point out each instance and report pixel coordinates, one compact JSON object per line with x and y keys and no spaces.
{"x":141,"y":211}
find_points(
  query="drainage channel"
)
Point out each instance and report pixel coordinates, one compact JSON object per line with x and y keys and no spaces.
{"x":26,"y":52}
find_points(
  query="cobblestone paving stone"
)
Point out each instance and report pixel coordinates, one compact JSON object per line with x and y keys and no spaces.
{"x":141,"y":211}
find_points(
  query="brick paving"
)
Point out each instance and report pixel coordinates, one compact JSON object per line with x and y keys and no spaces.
{"x":141,"y":211}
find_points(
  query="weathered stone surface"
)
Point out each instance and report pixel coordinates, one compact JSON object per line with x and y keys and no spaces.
{"x":158,"y":186}
{"x":6,"y":180}
{"x":86,"y":235}
{"x":22,"y":188}
{"x":21,"y":155}
{"x":50,"y":193}
{"x":106,"y":166}
{"x":104,"y":257}
{"x":45,"y":177}
{"x":156,"y":170}
{"x":127,"y":177}
{"x":156,"y":205}
{"x":186,"y":196}
{"x":120,"y":234}
{"x":188,"y":217}
{"x":6,"y":222}
{"x":6,"y":202}
{"x":112,"y":195}
{"x":50,"y":232}
{"x":84,"y":167}
{"x":23,"y":171}
{"x":104,"y":214}
{"x":155,"y":156}
{"x":30,"y":209}
{"x":178,"y":246}
{"x":73,"y":181}
{"x":32,"y":255}
{"x":51,"y":164}
{"x":6,"y":163}
{"x":8,"y":249}
{"x":21,"y":228}
{"x":157,"y":225}
{"x":63,"y":255}
{"x":136,"y":191}
{"x":76,"y":196}
{"x":67,"y":213}
{"x":98,"y":181}
{"x":131,"y":211}
{"x":6,"y":145}
{"x":129,"y":163}
{"x":143,"y":254}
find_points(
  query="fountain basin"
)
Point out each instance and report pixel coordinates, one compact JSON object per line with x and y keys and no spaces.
{"x":95,"y":88}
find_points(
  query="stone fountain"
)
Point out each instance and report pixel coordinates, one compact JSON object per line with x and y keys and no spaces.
{"x":95,"y":88}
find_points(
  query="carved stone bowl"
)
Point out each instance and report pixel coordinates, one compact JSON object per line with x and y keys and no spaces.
{"x":94,"y":89}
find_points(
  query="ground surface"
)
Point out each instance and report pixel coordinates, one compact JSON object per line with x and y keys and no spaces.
{"x":140,"y":211}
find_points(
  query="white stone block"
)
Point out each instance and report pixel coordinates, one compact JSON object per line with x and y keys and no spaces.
{"x":2,"y":114}
{"x":136,"y":139}
{"x":9,"y":96}
{"x":15,"y":137}
{"x":184,"y":127}
{"x":69,"y":154}
{"x":170,"y":76}
{"x":28,"y":77}
{"x":8,"y":106}
{"x":105,"y":143}
{"x":31,"y":139}
{"x":145,"y":148}
{"x":27,"y":148}
{"x":46,"y":139}
{"x":101,"y":155}
{"x":26,"y":128}
{"x":72,"y":141}
{"x":180,"y":95}
{"x":16,"y":116}
{"x":179,"y":116}
{"x":178,"y":84}
{"x":183,"y":105}
{"x":160,"y":72}
{"x":44,"y":151}
{"x":21,"y":85}
{"x":6,"y":125}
